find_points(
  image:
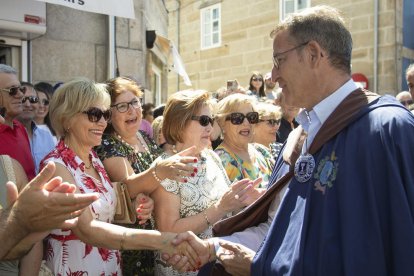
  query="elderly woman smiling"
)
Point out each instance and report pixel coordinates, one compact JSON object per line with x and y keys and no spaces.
{"x":80,"y":111}
{"x":207,"y":196}
{"x":236,"y":115}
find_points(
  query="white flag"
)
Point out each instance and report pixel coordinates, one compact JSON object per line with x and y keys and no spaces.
{"x":121,"y":8}
{"x":179,"y":65}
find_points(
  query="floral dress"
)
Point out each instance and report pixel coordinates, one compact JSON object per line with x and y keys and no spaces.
{"x":65,"y":253}
{"x":196,"y":195}
{"x":238,"y":169}
{"x":133,"y":262}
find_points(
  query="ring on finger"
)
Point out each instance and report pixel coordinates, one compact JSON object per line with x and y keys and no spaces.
{"x":236,"y":197}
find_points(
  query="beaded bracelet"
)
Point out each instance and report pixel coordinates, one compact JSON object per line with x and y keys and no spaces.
{"x":206,"y":218}
{"x":155,"y":174}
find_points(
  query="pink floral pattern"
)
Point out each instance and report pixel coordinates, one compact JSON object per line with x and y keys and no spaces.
{"x":65,"y":253}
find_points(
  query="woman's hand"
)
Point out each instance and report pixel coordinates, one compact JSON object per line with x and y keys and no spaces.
{"x":144,"y":206}
{"x":240,"y":194}
{"x":179,"y":166}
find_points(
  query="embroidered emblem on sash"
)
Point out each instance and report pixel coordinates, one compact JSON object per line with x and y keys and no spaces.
{"x":326,"y":173}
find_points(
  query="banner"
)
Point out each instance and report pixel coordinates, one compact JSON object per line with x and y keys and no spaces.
{"x":178,"y":65}
{"x":121,"y":8}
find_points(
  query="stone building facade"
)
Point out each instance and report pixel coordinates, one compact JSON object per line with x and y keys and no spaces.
{"x":383,"y":46}
{"x":77,"y":44}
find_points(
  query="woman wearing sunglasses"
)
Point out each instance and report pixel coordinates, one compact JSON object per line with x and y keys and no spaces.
{"x":206,"y":196}
{"x":44,"y":92}
{"x":236,"y":115}
{"x":80,"y":111}
{"x":126,"y":150}
{"x":265,"y":130}
{"x":256,"y":85}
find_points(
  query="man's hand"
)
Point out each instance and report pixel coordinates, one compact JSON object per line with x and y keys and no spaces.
{"x":46,"y":204}
{"x":204,"y":250}
{"x":235,"y":258}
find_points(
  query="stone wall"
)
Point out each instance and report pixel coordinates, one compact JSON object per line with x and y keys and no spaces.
{"x":246,"y":45}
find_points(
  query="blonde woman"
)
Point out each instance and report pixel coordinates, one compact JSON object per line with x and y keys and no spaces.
{"x":265,"y":130}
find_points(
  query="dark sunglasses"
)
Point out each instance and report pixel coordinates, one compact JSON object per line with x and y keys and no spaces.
{"x":45,"y":102}
{"x":13,"y":90}
{"x":204,"y":120}
{"x":407,"y":102}
{"x":31,"y":99}
{"x":95,"y":114}
{"x":237,"y":118}
{"x":271,"y":122}
{"x":257,"y":79}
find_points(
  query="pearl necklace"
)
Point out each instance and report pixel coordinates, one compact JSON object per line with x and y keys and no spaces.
{"x":135,"y":147}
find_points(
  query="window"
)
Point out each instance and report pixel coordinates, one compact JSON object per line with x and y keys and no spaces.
{"x":210,"y":26}
{"x":290,"y":6}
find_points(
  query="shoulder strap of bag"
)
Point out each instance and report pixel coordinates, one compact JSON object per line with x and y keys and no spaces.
{"x":256,"y":213}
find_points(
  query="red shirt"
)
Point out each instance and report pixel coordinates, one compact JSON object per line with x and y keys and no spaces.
{"x":15,"y":143}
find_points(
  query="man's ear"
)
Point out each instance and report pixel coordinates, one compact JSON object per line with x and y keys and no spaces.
{"x":315,"y":52}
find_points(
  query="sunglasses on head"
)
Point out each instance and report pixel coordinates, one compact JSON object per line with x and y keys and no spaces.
{"x":204,"y":120}
{"x":95,"y":114}
{"x":271,"y":122}
{"x":31,"y":99}
{"x":237,"y":118}
{"x":13,"y":90}
{"x":257,"y":79}
{"x":407,"y":102}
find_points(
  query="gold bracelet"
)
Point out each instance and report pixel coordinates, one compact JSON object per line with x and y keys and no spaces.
{"x":123,"y":240}
{"x":154,"y":174}
{"x":206,"y":218}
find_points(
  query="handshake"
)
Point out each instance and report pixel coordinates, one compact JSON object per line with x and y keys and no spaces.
{"x":191,"y":253}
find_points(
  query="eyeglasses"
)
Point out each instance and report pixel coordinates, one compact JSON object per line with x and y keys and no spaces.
{"x":407,"y":102}
{"x":124,"y":107}
{"x":31,"y":99}
{"x":44,"y":102}
{"x":95,"y":114}
{"x":257,"y":79}
{"x":13,"y":90}
{"x":271,"y":122}
{"x":237,"y":118}
{"x":276,"y":60}
{"x":204,"y":120}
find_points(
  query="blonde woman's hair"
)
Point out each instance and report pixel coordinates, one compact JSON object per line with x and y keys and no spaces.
{"x":157,"y":127}
{"x":74,"y":97}
{"x":268,"y":110}
{"x":180,"y":107}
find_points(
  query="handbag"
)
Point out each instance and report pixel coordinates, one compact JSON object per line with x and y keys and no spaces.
{"x":124,"y":211}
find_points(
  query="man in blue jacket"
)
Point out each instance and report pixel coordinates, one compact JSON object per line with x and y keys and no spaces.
{"x":349,"y":209}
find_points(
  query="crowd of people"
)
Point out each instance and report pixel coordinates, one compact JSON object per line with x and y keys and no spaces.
{"x":327,"y":164}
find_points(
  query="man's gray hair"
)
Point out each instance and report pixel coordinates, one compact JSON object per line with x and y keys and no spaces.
{"x":4,"y":68}
{"x":324,"y":25}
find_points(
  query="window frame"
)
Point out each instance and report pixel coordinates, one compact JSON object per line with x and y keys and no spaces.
{"x":202,"y":23}
{"x":282,"y":6}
